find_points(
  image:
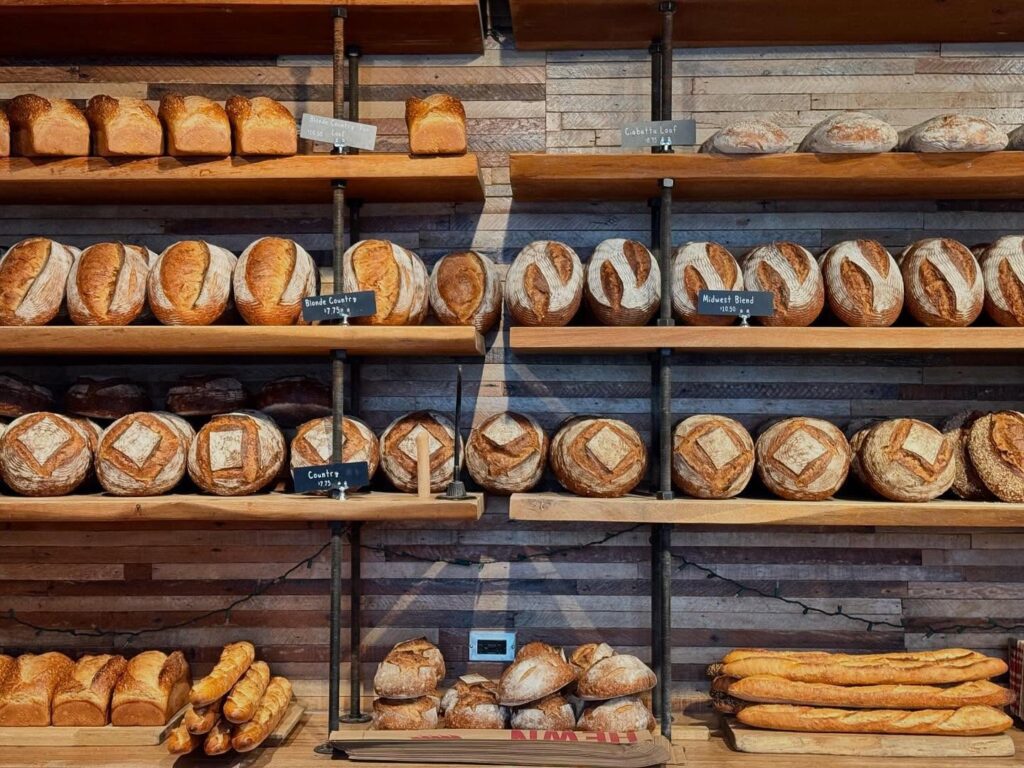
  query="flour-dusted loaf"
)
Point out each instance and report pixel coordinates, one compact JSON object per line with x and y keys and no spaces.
{"x":272,"y":277}
{"x":598,"y":457}
{"x":107,"y":284}
{"x":235,"y":660}
{"x":943,"y":282}
{"x":411,"y":669}
{"x":261,"y":126}
{"x":850,"y":133}
{"x":863,"y":283}
{"x":83,"y":697}
{"x":33,"y":275}
{"x":614,"y":676}
{"x":791,"y":274}
{"x":954,"y":133}
{"x":313,"y":443}
{"x":142,"y":454}
{"x":206,"y":395}
{"x":473,"y":703}
{"x":803,"y":459}
{"x":195,"y":126}
{"x":44,"y":454}
{"x":271,"y":709}
{"x":26,"y":693}
{"x":5,"y":134}
{"x":395,"y":274}
{"x":748,"y":136}
{"x":712,"y":457}
{"x":465,"y":289}
{"x":105,"y":398}
{"x":398,"y":450}
{"x":235,"y":454}
{"x":966,"y":721}
{"x":623,"y":283}
{"x":20,"y":396}
{"x":967,"y":483}
{"x":1002,"y":269}
{"x":588,"y":654}
{"x":152,"y":689}
{"x":507,"y":453}
{"x":294,"y":399}
{"x":995,"y":444}
{"x":702,"y":266}
{"x":405,"y":714}
{"x":551,"y":713}
{"x":618,"y":715}
{"x":437,"y":125}
{"x":43,"y":127}
{"x":124,"y":127}
{"x":544,"y":285}
{"x":538,"y":670}
{"x":190,"y":283}
{"x":908,"y":460}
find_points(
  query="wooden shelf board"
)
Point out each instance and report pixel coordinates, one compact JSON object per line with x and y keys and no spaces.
{"x":148,"y":340}
{"x":267,"y":507}
{"x":228,"y":28}
{"x":607,"y":340}
{"x":583,"y":24}
{"x":558,"y":507}
{"x":797,"y":176}
{"x":299,"y":179}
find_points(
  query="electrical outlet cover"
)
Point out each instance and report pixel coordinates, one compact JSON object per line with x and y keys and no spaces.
{"x":492,"y":646}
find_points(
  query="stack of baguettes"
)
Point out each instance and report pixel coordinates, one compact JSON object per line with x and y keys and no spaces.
{"x":945,"y":692}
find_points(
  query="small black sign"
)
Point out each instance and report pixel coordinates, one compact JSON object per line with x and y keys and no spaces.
{"x":337,"y":306}
{"x":736,"y":303}
{"x":327,"y":477}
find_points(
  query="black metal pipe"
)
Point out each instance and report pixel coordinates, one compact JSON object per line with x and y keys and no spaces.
{"x":355,"y":690}
{"x":338,"y":244}
{"x":664,"y":250}
{"x":664,"y":614}
{"x":355,"y":225}
{"x":334,"y":679}
{"x":657,"y":625}
{"x":353,"y":54}
{"x":668,"y":12}
{"x":655,"y":50}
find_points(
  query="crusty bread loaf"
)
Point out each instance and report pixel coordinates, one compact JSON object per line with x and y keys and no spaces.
{"x":107,"y":284}
{"x":507,"y":453}
{"x":966,"y":721}
{"x":767,"y":689}
{"x":937,"y":656}
{"x":261,"y":126}
{"x":272,"y":277}
{"x":124,"y":127}
{"x":863,"y":283}
{"x":235,"y":454}
{"x":20,"y":396}
{"x":748,"y":136}
{"x":7,"y":663}
{"x":907,"y":460}
{"x":615,"y":676}
{"x":398,"y":450}
{"x":847,"y":133}
{"x":181,"y":742}
{"x":83,"y":697}
{"x":245,"y":696}
{"x":405,"y":715}
{"x":551,"y":713}
{"x":206,"y":395}
{"x":190,"y":283}
{"x":218,"y":740}
{"x":942,"y":282}
{"x":588,"y":654}
{"x":195,"y":126}
{"x":142,"y":454}
{"x":967,"y":484}
{"x":105,"y":398}
{"x":293,"y":400}
{"x":44,"y":454}
{"x":437,"y":125}
{"x":43,"y":127}
{"x":623,"y":283}
{"x":152,"y":689}
{"x":618,"y":715}
{"x":33,"y":274}
{"x":803,"y":459}
{"x":395,"y":274}
{"x":411,"y":669}
{"x":598,"y":457}
{"x":544,"y":285}
{"x":954,"y":133}
{"x":700,"y":267}
{"x":200,"y":720}
{"x":314,"y":440}
{"x":235,"y":660}
{"x":791,"y":274}
{"x":996,"y":447}
{"x":27,"y":690}
{"x":1002,"y":269}
{"x":473,"y":703}
{"x":271,"y":709}
{"x":539,"y":670}
{"x":465,"y":289}
{"x":712,"y":457}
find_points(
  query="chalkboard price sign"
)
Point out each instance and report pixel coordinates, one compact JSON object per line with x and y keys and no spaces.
{"x":339,"y":306}
{"x":736,"y":303}
{"x":330,"y":477}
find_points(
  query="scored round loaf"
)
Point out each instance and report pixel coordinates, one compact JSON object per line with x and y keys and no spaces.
{"x":235,"y":454}
{"x":544,"y":285}
{"x":20,"y":396}
{"x":33,"y":276}
{"x":475,"y":706}
{"x":700,"y":267}
{"x":749,"y":136}
{"x":411,"y":669}
{"x":791,"y":274}
{"x":803,"y":459}
{"x":856,"y":455}
{"x":206,"y":395}
{"x":507,"y":453}
{"x":598,"y":457}
{"x":619,"y":715}
{"x":589,"y":654}
{"x":614,"y":676}
{"x":395,"y":274}
{"x":863,"y":283}
{"x":107,"y":284}
{"x":908,"y":460}
{"x":466,"y":684}
{"x":996,"y":447}
{"x":539,"y":670}
{"x":712,"y":457}
{"x":124,"y":127}
{"x":943,"y":283}
{"x":623,"y":283}
{"x":423,"y":646}
{"x":272,"y":277}
{"x":465,"y":289}
{"x":848,"y":133}
{"x":44,"y":454}
{"x":105,"y":398}
{"x":1002,"y":269}
{"x":551,"y":713}
{"x":313,"y":443}
{"x":143,"y":454}
{"x":190,"y":283}
{"x":967,"y":484}
{"x":412,"y":715}
{"x":294,"y":399}
{"x":954,"y":133}
{"x":398,"y":450}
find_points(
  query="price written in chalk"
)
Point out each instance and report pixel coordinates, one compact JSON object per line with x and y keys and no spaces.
{"x":340,"y":133}
{"x":654,"y":133}
{"x":736,"y":303}
{"x":339,"y":306}
{"x":330,"y":477}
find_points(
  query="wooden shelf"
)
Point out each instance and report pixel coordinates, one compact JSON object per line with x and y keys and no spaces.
{"x":607,"y":340}
{"x":226,"y":28}
{"x":558,"y":507}
{"x":299,"y":179}
{"x":165,"y":340}
{"x":268,"y":507}
{"x":583,"y":24}
{"x":895,"y":175}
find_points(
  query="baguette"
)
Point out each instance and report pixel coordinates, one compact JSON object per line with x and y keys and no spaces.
{"x":181,"y":742}
{"x":942,"y":654}
{"x":218,"y":740}
{"x":200,"y":720}
{"x":28,"y":688}
{"x":84,"y":696}
{"x":268,"y":714}
{"x":965,"y":721}
{"x":241,"y":703}
{"x":777,"y":690}
{"x":235,"y":659}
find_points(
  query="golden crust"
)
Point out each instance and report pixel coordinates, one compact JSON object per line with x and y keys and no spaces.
{"x":965,"y":721}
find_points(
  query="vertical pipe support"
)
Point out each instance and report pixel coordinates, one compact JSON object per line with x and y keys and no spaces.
{"x":353,"y":54}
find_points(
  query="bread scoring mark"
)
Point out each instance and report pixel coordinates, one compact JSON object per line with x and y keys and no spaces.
{"x":798,"y":451}
{"x":137,"y":443}
{"x":924,"y":442}
{"x":608,"y":447}
{"x":1007,"y":436}
{"x":43,"y":439}
{"x":408,"y":443}
{"x":503,"y":429}
{"x":226,"y":448}
{"x":719,"y":447}
{"x":623,"y":274}
{"x":860,"y":268}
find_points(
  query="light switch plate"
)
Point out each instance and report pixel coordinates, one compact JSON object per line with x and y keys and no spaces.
{"x":492,"y":646}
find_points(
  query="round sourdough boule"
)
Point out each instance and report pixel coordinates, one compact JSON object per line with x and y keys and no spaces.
{"x":33,"y":276}
{"x":942,"y":282}
{"x":848,"y":133}
{"x":614,"y":676}
{"x":589,"y":654}
{"x":190,"y":283}
{"x":313,"y":442}
{"x":1002,"y":269}
{"x":107,"y":284}
{"x":967,"y":484}
{"x":426,"y":648}
{"x":544,"y":285}
{"x":206,"y":395}
{"x":272,"y":277}
{"x":465,"y":289}
{"x":623,"y":283}
{"x":712,"y":457}
{"x":996,"y":447}
{"x":44,"y":454}
{"x":619,"y":715}
{"x":598,"y":457}
{"x":466,"y":684}
{"x":803,"y":459}
{"x":551,"y":713}
{"x":791,"y":274}
{"x":539,"y":670}
{"x":236,"y":454}
{"x":908,"y":460}
{"x":395,"y":274}
{"x":412,"y":715}
{"x":700,"y":267}
{"x":748,"y":136}
{"x":507,"y":453}
{"x":954,"y":133}
{"x":398,"y":450}
{"x":856,"y":447}
{"x":405,"y":675}
{"x":142,"y":454}
{"x":294,"y":399}
{"x":863,"y":283}
{"x":105,"y":398}
{"x":475,"y":706}
{"x":20,"y":396}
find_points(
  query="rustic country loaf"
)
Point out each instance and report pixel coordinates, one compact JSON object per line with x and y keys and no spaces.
{"x":943,"y":282}
{"x":468,"y":683}
{"x":406,"y":674}
{"x":598,"y":457}
{"x":190,"y":283}
{"x":544,"y":285}
{"x":791,"y":274}
{"x":849,"y":133}
{"x":539,"y":670}
{"x":437,"y":125}
{"x":313,"y":442}
{"x":803,"y":459}
{"x":107,"y":284}
{"x":966,"y":721}
{"x":26,"y":692}
{"x":615,"y":676}
{"x":142,"y":454}
{"x":152,"y":689}
{"x":33,"y":275}
{"x":700,"y":267}
{"x":206,"y":395}
{"x":623,"y":283}
{"x":749,"y":136}
{"x":618,"y":715}
{"x":551,"y":713}
{"x":261,"y":126}
{"x":995,"y":444}
{"x":272,"y":277}
{"x":588,"y":654}
{"x":856,"y":448}
{"x":507,"y":453}
{"x":427,"y":649}
{"x":405,"y":715}
{"x":47,"y":127}
{"x":474,"y":706}
{"x":953,"y":133}
{"x":20,"y":396}
{"x":863,"y":283}
{"x":395,"y":274}
{"x":1002,"y":269}
{"x":124,"y":127}
{"x":195,"y":126}
{"x":967,"y":484}
{"x":398,"y":450}
{"x":465,"y":289}
{"x":83,"y":697}
{"x":105,"y":398}
{"x":271,"y":709}
{"x":293,"y":400}
{"x":908,"y":460}
{"x":44,"y":454}
{"x":712,"y":457}
{"x":235,"y":454}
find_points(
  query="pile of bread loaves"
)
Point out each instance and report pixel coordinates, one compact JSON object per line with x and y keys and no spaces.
{"x":945,"y":693}
{"x":596,"y":689}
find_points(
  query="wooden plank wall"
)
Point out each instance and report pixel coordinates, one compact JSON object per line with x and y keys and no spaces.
{"x":146,"y":576}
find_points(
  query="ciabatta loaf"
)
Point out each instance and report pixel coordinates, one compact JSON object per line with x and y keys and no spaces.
{"x":954,"y":133}
{"x":966,"y":721}
{"x":151,"y":690}
{"x":43,"y":127}
{"x":27,"y":691}
{"x":84,"y":696}
{"x":749,"y":136}
{"x":848,"y":133}
{"x":124,"y":127}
